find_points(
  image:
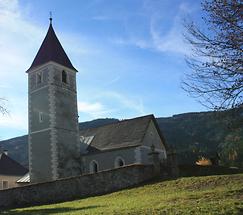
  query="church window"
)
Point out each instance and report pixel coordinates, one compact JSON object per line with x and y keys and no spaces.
{"x":41,"y":117}
{"x":93,"y":166}
{"x":5,"y":184}
{"x":64,"y":77}
{"x":119,"y":162}
{"x":38,"y":77}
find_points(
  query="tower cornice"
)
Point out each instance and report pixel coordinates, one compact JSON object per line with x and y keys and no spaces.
{"x":41,"y":67}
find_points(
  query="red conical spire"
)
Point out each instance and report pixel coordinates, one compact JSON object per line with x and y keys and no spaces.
{"x":51,"y":50}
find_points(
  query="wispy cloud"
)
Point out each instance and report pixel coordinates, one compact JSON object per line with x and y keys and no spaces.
{"x":95,"y":110}
{"x":77,"y":45}
{"x":138,"y":42}
{"x":172,"y":41}
{"x":112,"y":81}
{"x":90,"y":107}
{"x":185,"y":8}
{"x":111,"y":104}
{"x":18,"y":38}
{"x":125,"y":102}
{"x":161,"y":39}
{"x":101,"y":18}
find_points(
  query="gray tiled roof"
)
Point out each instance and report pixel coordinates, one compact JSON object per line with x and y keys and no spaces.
{"x":122,"y":134}
{"x":8,"y":166}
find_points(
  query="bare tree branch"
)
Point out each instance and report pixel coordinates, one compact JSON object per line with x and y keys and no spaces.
{"x":3,"y":109}
{"x":216,"y":65}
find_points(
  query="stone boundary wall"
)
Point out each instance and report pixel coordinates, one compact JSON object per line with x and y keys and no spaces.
{"x":76,"y":187}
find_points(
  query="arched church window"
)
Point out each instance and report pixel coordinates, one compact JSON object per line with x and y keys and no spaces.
{"x":64,"y":77}
{"x":38,"y":77}
{"x":119,"y":162}
{"x":93,"y":166}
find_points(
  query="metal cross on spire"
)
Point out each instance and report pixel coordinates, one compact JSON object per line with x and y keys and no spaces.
{"x":50,"y":17}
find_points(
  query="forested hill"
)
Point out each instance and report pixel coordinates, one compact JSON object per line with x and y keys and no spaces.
{"x":205,"y":134}
{"x":191,"y":134}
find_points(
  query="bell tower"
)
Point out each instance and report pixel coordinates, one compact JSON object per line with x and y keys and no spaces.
{"x":53,"y":116}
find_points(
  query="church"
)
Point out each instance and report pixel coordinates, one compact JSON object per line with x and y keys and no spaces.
{"x":57,"y":148}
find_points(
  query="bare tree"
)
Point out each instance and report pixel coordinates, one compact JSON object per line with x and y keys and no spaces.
{"x":3,"y":109}
{"x":216,"y":75}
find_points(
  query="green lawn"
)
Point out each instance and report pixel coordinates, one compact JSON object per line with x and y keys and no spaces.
{"x":194,"y":195}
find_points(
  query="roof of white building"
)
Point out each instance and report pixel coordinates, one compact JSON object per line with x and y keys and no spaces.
{"x":121,"y":134}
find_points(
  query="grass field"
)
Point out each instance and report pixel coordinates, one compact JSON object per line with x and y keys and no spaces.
{"x":194,"y":195}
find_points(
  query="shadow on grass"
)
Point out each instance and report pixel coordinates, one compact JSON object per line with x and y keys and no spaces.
{"x":58,"y":210}
{"x":239,"y":211}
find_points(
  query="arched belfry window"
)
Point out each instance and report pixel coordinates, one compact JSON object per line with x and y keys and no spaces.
{"x":93,"y":166}
{"x":39,"y":77}
{"x":64,"y":77}
{"x":119,"y":162}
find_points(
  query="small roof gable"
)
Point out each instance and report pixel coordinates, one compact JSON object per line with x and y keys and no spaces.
{"x":51,"y":50}
{"x":121,"y":134}
{"x":9,"y":166}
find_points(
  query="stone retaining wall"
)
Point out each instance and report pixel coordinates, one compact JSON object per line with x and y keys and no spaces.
{"x":76,"y":187}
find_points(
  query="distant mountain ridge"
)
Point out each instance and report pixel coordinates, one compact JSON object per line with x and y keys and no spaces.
{"x":191,"y":134}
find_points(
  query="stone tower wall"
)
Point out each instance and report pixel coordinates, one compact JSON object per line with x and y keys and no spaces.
{"x":53,"y":124}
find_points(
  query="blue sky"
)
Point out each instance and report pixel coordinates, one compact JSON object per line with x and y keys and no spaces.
{"x":129,"y":54}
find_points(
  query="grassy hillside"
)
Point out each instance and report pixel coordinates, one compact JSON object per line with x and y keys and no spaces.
{"x":195,"y":195}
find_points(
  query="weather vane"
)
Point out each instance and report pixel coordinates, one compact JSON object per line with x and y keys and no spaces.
{"x":50,"y":17}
